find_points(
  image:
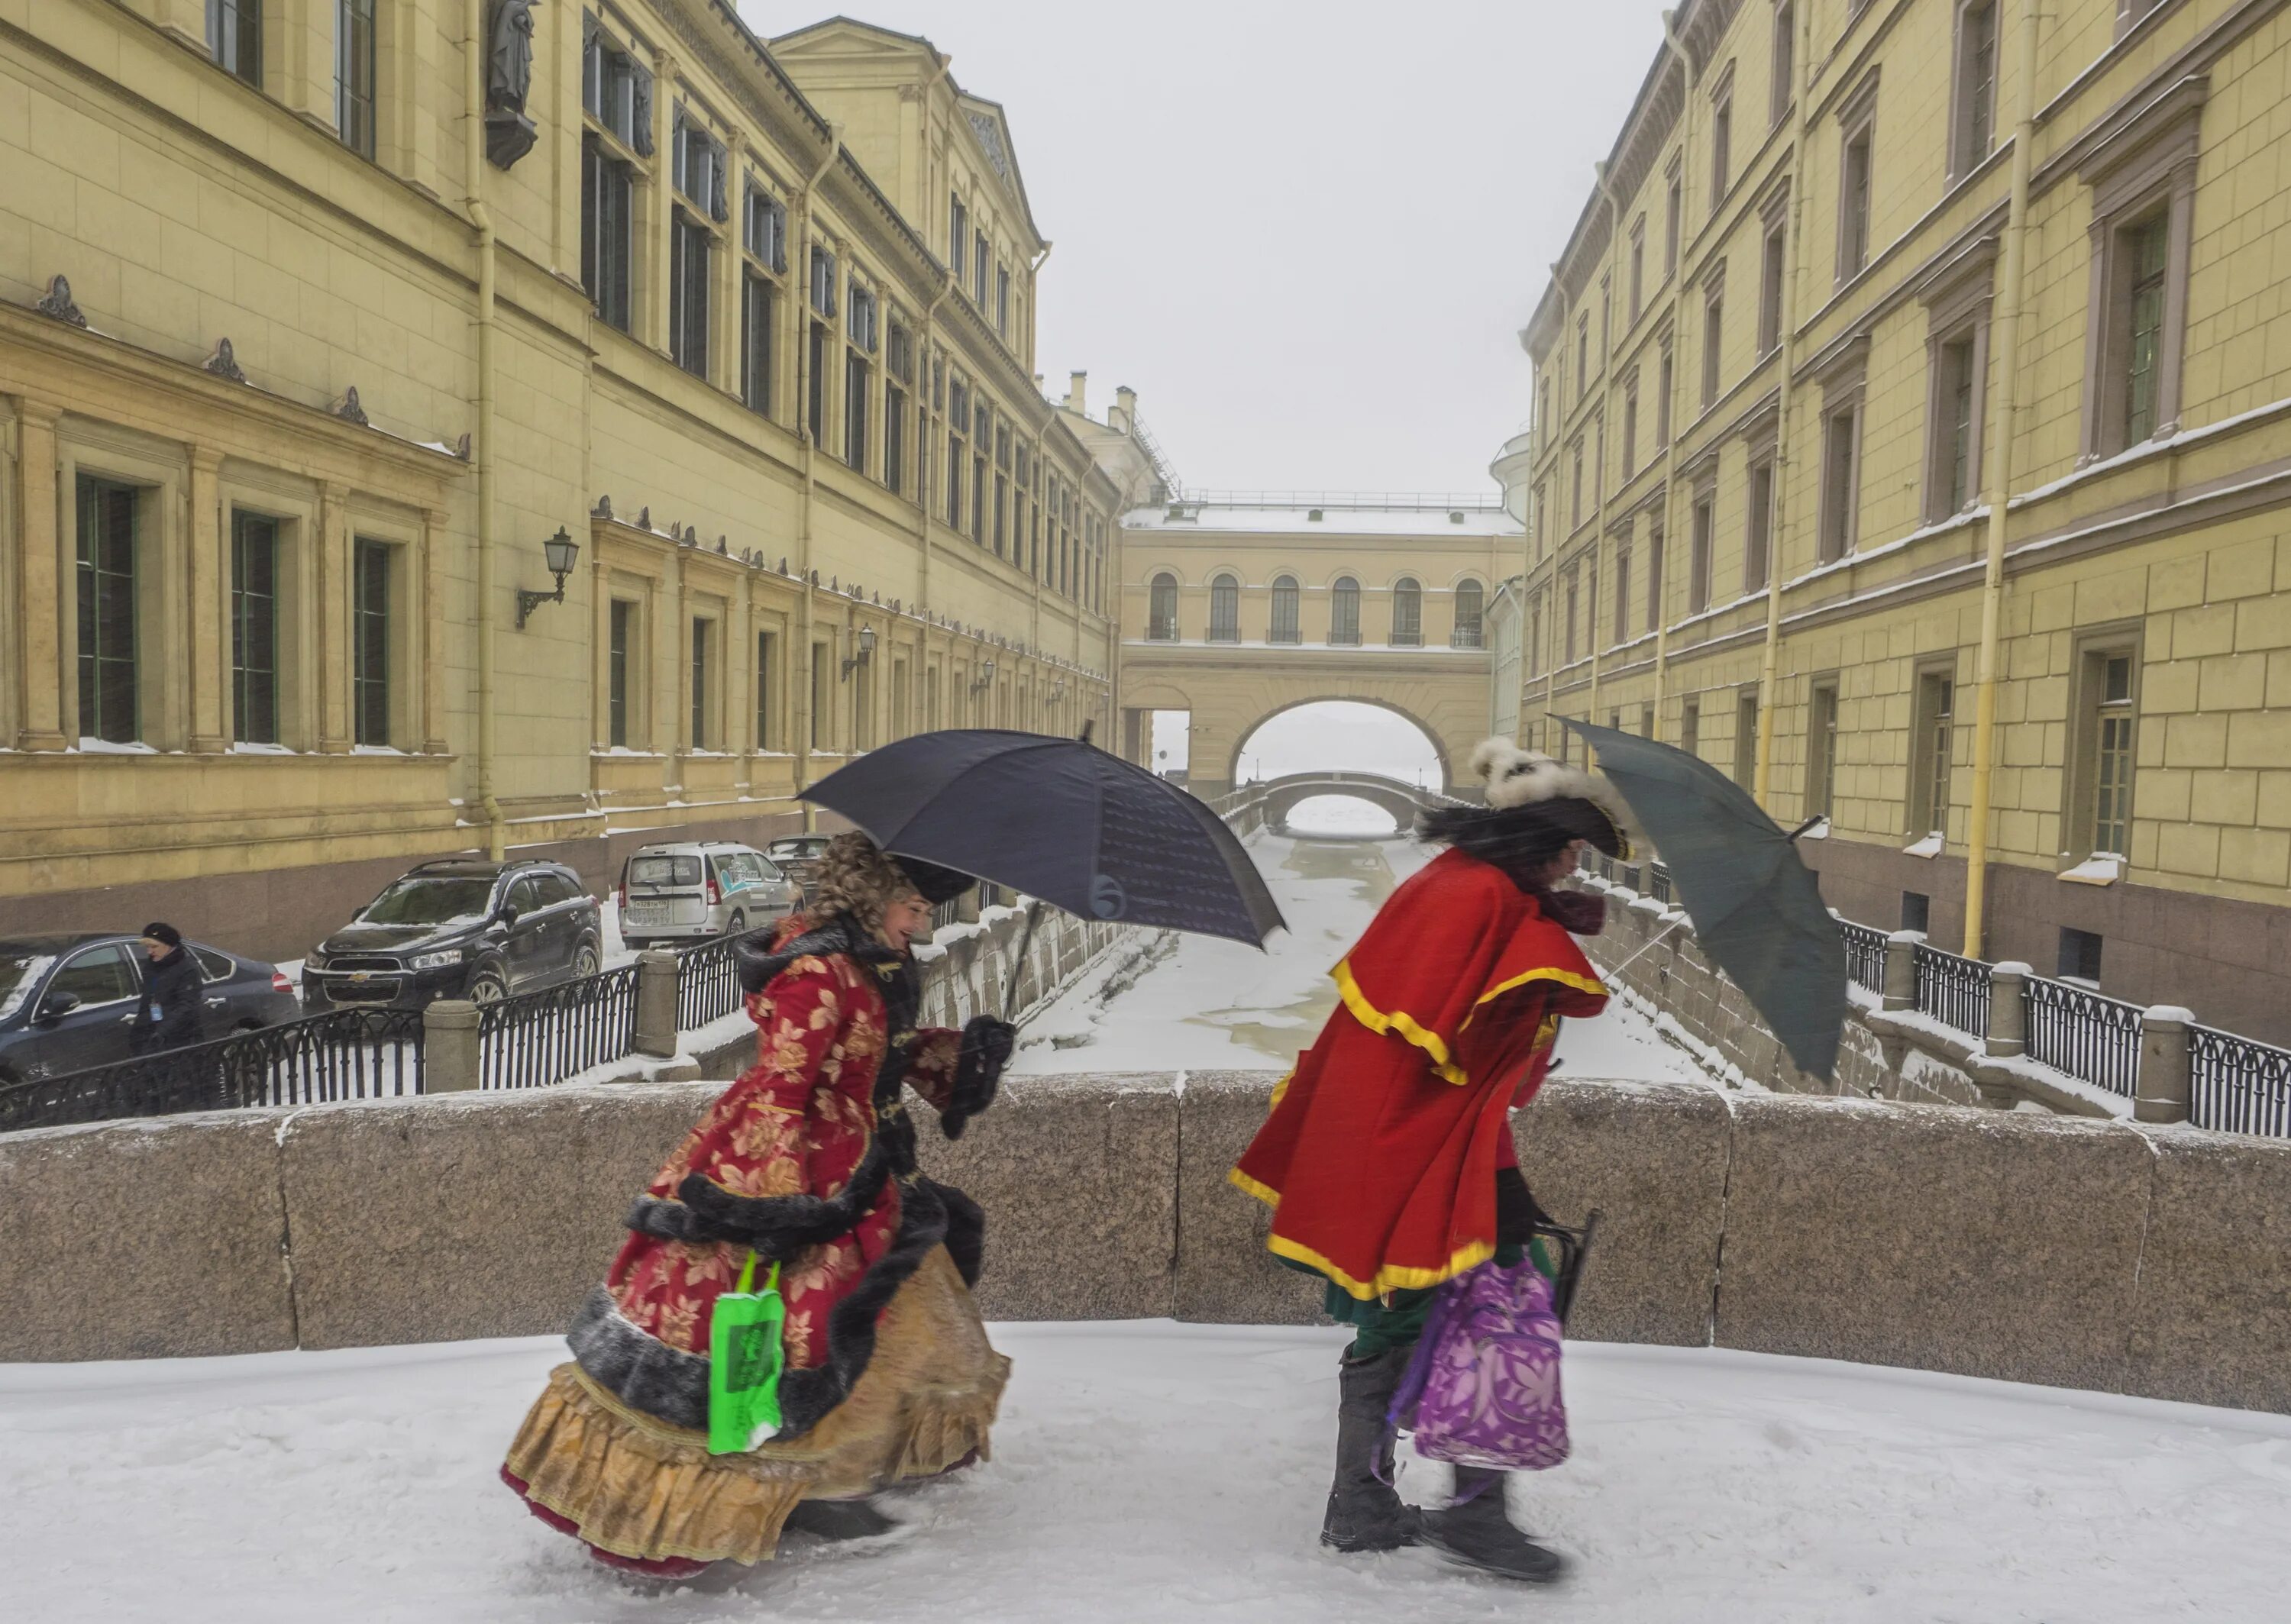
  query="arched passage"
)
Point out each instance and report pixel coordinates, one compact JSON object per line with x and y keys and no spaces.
{"x":1340,"y":736}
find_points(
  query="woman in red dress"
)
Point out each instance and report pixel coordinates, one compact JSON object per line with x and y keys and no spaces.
{"x":808,"y":1161}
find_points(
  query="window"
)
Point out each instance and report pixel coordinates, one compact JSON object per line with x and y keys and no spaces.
{"x":1003,"y":300}
{"x":1654,"y":580}
{"x":1974,"y":126}
{"x":1662,"y":404}
{"x":2105,"y":735}
{"x":1344,"y":611}
{"x":1284,"y":610}
{"x":104,"y":975}
{"x":1690,"y":727}
{"x":823,"y":697}
{"x":1722,"y":143}
{"x":957,"y":234}
{"x":763,"y":230}
{"x":1161,"y":609}
{"x":1698,"y":578}
{"x":1631,"y":427}
{"x":1714,"y":327}
{"x":816,"y":385}
{"x":859,"y":372}
{"x":1674,"y":206}
{"x":108,"y":515}
{"x":756,"y":299}
{"x":2080,"y":959}
{"x":235,"y":37}
{"x":768,"y":677}
{"x":253,"y":629}
{"x":1757,"y":535}
{"x":1841,"y":435}
{"x":703,"y":650}
{"x":620,"y":672}
{"x":687,"y":294}
{"x":1930,"y":752}
{"x":2147,"y":256}
{"x":1622,"y":591}
{"x":614,"y":91}
{"x":1582,"y":355}
{"x":1575,"y":505}
{"x":1224,"y":610}
{"x":354,"y":75}
{"x":370,"y":633}
{"x":1953,"y":479}
{"x":1770,"y":273}
{"x":1471,"y":609}
{"x":700,"y":168}
{"x":1821,"y":750}
{"x":982,"y":255}
{"x":1746,"y":740}
{"x":1785,"y":81}
{"x":1407,"y":614}
{"x":2142,"y":187}
{"x":1573,"y":603}
{"x":899,"y":366}
{"x":1853,"y":207}
{"x":1917,"y":912}
{"x":823,"y":283}
{"x":607,"y":209}
{"x":1638,"y":267}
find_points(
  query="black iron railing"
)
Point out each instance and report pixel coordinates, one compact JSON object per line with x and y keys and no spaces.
{"x":1658,"y":883}
{"x":343,"y":1054}
{"x":541,"y":1038}
{"x":1953,"y":990}
{"x":1865,"y":954}
{"x":707,"y":984}
{"x":2085,"y":1035}
{"x":2240,"y":1086}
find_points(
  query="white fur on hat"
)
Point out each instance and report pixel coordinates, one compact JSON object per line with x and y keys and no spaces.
{"x":1517,"y":777}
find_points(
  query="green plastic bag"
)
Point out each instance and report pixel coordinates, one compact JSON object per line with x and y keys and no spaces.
{"x":745,"y":1360}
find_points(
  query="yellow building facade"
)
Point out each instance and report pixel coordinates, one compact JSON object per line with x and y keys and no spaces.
{"x":1912,"y":409}
{"x":319,"y":320}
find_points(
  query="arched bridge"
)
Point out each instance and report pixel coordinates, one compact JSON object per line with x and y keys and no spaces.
{"x":1403,"y":801}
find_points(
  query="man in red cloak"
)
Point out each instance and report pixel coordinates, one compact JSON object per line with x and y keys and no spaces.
{"x":1387,"y":1158}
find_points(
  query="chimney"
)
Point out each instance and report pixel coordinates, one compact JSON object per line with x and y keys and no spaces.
{"x":1125,"y":410}
{"x":1078,"y":393}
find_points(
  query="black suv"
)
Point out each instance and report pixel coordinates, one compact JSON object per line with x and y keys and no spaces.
{"x":459,"y":928}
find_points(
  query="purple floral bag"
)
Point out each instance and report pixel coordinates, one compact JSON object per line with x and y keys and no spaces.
{"x":1482,"y":1389}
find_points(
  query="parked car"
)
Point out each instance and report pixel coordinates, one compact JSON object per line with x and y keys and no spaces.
{"x":689,"y":890}
{"x":67,"y":1002}
{"x":460,"y":928}
{"x":798,"y":855}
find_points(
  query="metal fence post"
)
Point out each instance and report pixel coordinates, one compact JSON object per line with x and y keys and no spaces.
{"x":1901,"y":969}
{"x":2166,"y":1091}
{"x":2008,"y":1009}
{"x":656,"y":1002}
{"x":450,"y":1049}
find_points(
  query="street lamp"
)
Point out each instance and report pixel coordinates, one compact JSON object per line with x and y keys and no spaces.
{"x":560,"y":550}
{"x":853,"y":662}
{"x":985,"y":678}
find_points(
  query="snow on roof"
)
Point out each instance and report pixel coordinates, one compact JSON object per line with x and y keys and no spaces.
{"x":1215,"y":518}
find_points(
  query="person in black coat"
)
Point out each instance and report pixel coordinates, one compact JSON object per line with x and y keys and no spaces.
{"x":167,"y":1015}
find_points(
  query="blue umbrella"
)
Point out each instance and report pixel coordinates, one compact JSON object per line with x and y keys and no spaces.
{"x":1062,"y":821}
{"x":1756,"y":908}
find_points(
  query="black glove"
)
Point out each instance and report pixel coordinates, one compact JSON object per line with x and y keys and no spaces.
{"x":986,"y":1045}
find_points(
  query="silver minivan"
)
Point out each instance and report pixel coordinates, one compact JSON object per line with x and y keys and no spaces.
{"x":690,"y":890}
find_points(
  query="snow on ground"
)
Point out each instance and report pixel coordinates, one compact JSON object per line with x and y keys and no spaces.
{"x":1153,"y":1472}
{"x":1220,"y":1006}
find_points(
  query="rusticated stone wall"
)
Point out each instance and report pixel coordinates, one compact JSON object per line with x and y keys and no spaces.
{"x":2095,"y":1254}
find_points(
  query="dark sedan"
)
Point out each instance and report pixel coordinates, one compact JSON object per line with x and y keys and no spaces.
{"x":68,"y":1001}
{"x":460,"y":928}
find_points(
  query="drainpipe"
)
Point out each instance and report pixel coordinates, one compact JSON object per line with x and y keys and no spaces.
{"x":810,"y":456}
{"x":1999,"y":480}
{"x":1551,"y":670}
{"x":1770,"y":662}
{"x":1607,"y":416}
{"x":1677,"y":46}
{"x":481,"y":448}
{"x":923,"y":451}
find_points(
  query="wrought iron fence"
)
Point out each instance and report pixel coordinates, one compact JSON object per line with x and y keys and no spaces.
{"x":1953,"y":990}
{"x":541,"y":1038}
{"x":1865,"y":954}
{"x":2240,"y":1086}
{"x":707,"y":984}
{"x":2085,"y":1035}
{"x":343,"y":1054}
{"x":1658,"y":883}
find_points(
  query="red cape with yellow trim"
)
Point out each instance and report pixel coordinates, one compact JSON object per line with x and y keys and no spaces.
{"x":1380,"y":1155}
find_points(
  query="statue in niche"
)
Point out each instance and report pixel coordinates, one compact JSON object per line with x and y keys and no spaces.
{"x":509,"y":135}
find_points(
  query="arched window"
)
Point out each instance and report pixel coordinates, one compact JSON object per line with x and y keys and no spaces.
{"x":1407,"y":614}
{"x":1162,"y":610}
{"x":1344,"y":611}
{"x":1284,"y":609}
{"x":1469,"y":605}
{"x":1224,"y":610}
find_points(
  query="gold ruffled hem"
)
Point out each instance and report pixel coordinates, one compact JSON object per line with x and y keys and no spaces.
{"x":635,"y":1487}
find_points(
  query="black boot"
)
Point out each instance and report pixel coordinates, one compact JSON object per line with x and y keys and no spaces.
{"x":852,"y":1519}
{"x":1476,"y":1531}
{"x":1365,"y":1513}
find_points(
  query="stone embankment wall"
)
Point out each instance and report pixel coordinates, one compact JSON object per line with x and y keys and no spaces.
{"x":2102,"y":1255}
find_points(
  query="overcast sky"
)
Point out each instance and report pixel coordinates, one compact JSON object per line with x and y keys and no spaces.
{"x":1306,"y":231}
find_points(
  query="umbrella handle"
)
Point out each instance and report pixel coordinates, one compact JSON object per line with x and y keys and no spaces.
{"x":1651,"y":941}
{"x":1018,"y":960}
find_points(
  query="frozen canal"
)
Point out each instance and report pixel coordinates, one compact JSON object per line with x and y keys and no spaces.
{"x":1220,"y":1006}
{"x":1153,"y":1472}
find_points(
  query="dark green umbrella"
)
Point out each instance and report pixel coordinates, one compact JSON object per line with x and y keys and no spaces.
{"x":1756,"y":908}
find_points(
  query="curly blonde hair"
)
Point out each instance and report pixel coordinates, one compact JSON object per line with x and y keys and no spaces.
{"x":856,"y":878}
